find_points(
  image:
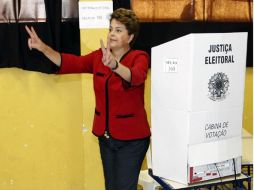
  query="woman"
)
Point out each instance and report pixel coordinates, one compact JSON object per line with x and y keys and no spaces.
{"x":120,"y":120}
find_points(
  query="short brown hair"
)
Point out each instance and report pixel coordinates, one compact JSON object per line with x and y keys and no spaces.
{"x":129,"y":19}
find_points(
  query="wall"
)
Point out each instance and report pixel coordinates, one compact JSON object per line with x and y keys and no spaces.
{"x":41,"y":142}
{"x":248,"y":101}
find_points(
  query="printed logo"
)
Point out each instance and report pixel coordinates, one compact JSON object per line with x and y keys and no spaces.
{"x":218,"y":86}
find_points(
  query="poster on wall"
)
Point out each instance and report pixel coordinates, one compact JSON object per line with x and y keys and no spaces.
{"x":94,"y":14}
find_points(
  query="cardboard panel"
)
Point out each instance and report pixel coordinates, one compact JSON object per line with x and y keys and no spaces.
{"x":197,"y":78}
{"x":174,"y":93}
{"x":218,"y":70}
{"x":213,"y":152}
{"x":185,"y":117}
{"x":216,"y":125}
{"x":170,"y":143}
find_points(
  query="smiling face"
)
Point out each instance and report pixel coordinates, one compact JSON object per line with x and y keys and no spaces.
{"x":118,"y":35}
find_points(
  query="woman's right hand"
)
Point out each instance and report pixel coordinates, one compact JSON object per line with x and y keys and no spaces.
{"x":34,"y":41}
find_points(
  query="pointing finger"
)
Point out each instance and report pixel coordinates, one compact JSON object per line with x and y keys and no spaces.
{"x":35,"y":34}
{"x":29,"y":31}
{"x":102,"y":47}
{"x":108,"y":45}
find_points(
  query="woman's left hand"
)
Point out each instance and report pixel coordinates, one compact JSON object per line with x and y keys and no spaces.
{"x":107,"y":58}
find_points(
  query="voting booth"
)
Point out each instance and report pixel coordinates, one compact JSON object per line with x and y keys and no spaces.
{"x":197,"y":95}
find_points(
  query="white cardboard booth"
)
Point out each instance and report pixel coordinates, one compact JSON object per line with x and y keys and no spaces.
{"x":197,"y":94}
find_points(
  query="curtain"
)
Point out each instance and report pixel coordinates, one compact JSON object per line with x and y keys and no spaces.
{"x":55,"y":29}
{"x":121,"y":4}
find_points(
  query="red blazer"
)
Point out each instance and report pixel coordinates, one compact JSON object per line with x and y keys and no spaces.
{"x":119,"y":104}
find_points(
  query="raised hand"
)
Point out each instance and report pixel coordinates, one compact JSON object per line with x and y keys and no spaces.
{"x":34,"y":41}
{"x":107,"y":58}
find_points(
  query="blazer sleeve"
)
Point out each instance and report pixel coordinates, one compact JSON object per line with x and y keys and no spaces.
{"x":76,"y":64}
{"x":139,"y":69}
